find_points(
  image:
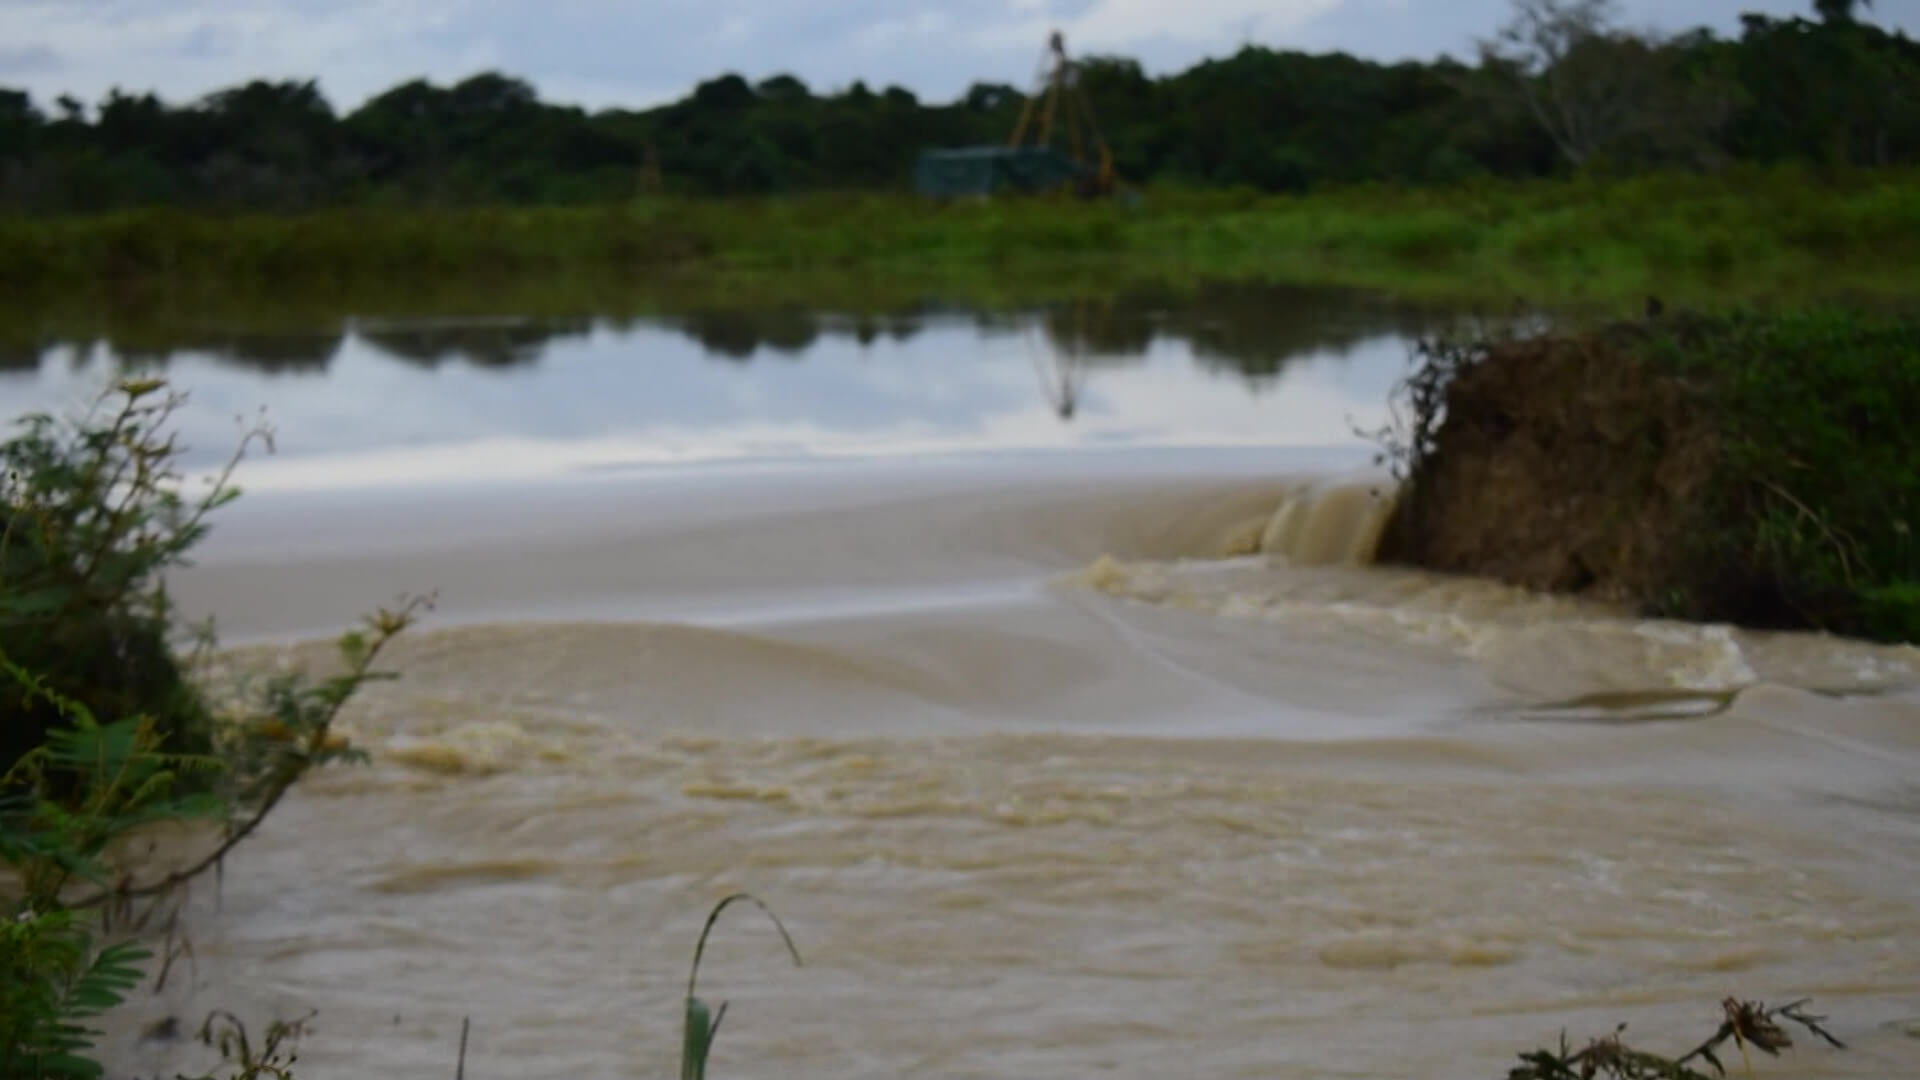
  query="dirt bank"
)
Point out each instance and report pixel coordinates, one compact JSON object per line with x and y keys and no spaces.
{"x":1760,"y":471}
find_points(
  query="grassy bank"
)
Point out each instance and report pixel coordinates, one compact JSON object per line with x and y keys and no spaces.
{"x":1746,"y":235}
{"x":1762,"y":470}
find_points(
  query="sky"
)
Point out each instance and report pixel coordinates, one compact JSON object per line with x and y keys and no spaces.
{"x":638,"y":53}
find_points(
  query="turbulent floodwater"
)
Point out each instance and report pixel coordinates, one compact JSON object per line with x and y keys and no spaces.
{"x":1053,"y":771}
{"x":1043,"y":689}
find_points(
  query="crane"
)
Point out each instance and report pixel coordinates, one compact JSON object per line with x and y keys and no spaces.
{"x":1029,"y":161}
{"x":1061,"y":101}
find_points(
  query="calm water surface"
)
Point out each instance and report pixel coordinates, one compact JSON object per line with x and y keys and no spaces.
{"x":1033,"y":667}
{"x":369,"y":401}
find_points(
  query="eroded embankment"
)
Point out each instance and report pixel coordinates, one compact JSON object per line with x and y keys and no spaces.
{"x":1756,"y":470}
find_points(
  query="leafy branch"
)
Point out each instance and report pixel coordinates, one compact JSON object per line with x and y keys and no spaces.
{"x":302,"y":725}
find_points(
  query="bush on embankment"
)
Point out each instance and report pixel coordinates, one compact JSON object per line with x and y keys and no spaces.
{"x":105,"y":731}
{"x":1757,"y":469}
{"x":1750,"y":232}
{"x":88,"y":520}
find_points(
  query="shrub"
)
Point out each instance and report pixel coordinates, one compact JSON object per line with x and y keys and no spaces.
{"x":1759,"y":469}
{"x":104,"y":732}
{"x":90,"y":512}
{"x":1817,"y":493}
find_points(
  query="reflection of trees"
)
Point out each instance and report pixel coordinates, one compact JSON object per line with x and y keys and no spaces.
{"x":1100,"y":330}
{"x":1253,"y":331}
{"x":20,"y":356}
{"x":277,"y":353}
{"x":482,"y":344}
{"x":1249,"y":330}
{"x":739,"y":335}
{"x":272,"y":353}
{"x":1257,"y":331}
{"x":867,"y":329}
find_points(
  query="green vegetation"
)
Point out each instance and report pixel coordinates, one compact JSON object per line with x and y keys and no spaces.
{"x":1816,"y":497}
{"x":1563,"y":85}
{"x":108,"y":734}
{"x":1574,"y":162}
{"x":1761,"y":233}
{"x":1756,"y":468}
{"x":702,"y":1023}
{"x":1759,"y":469}
{"x":88,"y":523}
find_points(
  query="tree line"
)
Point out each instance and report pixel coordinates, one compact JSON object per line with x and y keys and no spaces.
{"x":1561,"y":87}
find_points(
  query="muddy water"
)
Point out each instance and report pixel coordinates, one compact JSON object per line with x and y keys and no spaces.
{"x":1087,"y":762}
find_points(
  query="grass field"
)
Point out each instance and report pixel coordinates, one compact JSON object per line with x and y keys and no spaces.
{"x":1748,"y":235}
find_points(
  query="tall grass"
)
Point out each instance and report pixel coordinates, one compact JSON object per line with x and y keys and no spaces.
{"x":701,"y":1023}
{"x":1750,"y":233}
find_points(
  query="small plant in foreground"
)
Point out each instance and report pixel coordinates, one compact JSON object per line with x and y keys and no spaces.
{"x":51,"y":979}
{"x":274,"y":1058}
{"x":1746,"y":1023}
{"x":702,"y":1023}
{"x":53,"y":972}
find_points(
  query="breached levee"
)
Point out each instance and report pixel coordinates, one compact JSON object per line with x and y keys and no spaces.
{"x":1313,"y":566}
{"x":1333,"y":521}
{"x":1615,"y":522}
{"x":1761,"y":471}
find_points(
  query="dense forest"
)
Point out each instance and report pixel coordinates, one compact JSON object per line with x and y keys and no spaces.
{"x":1560,"y":88}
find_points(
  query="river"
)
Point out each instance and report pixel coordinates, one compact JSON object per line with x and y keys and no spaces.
{"x":1032,"y":668}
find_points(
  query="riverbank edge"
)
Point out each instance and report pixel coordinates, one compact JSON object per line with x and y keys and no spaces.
{"x":1752,"y":468}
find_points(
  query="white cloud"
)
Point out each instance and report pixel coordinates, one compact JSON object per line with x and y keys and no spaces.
{"x":183,"y":50}
{"x":922,"y":27}
{"x":1109,"y":25}
{"x":637,"y":52}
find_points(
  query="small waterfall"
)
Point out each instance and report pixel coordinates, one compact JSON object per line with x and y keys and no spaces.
{"x":1331,"y":522}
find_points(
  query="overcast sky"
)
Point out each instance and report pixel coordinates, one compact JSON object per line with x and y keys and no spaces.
{"x":642,"y":52}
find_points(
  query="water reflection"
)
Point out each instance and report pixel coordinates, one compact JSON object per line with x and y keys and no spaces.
{"x":482,"y":343}
{"x":1061,"y":371}
{"x":737,"y":335}
{"x":431,"y":398}
{"x":20,"y":357}
{"x":272,"y":353}
{"x":1249,"y":330}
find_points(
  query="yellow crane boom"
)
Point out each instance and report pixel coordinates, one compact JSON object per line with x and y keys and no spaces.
{"x":1059,"y":91}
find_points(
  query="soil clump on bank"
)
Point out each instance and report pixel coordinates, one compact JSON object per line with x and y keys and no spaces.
{"x":1762,"y":470}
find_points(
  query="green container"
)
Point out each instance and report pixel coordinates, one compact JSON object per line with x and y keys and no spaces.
{"x":981,"y":171}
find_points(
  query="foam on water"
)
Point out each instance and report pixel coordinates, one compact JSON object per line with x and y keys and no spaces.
{"x":1305,"y":567}
{"x":1225,"y":800}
